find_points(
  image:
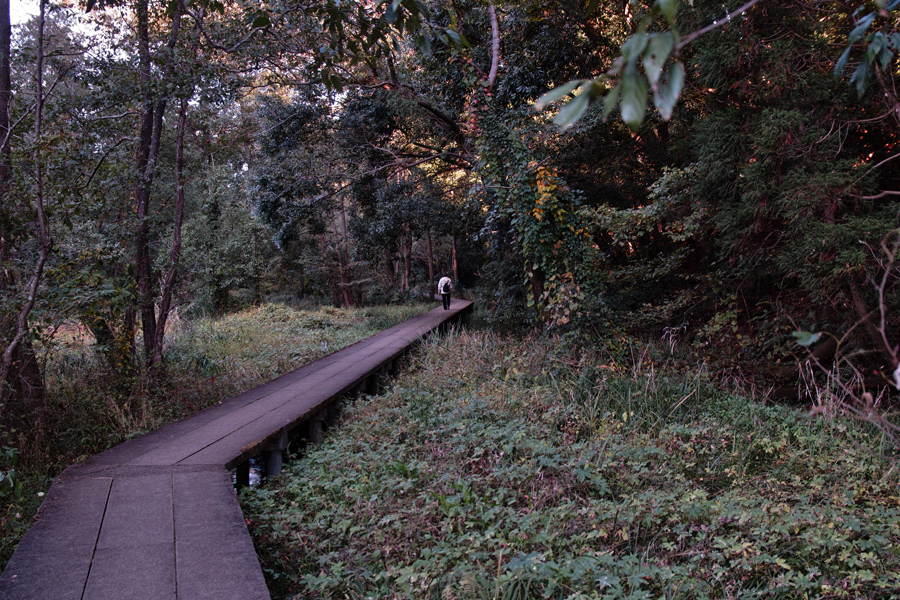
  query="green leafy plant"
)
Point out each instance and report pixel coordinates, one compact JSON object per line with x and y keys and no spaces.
{"x":10,"y":486}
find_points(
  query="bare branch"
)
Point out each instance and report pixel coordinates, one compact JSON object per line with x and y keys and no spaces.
{"x":872,"y":168}
{"x":103,"y":158}
{"x":877,"y":196}
{"x":715,"y":24}
{"x":880,"y":287}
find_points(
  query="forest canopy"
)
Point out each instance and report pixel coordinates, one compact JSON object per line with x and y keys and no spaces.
{"x":726,"y":172}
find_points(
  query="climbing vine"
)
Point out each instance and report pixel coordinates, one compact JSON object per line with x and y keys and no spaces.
{"x":542,"y":210}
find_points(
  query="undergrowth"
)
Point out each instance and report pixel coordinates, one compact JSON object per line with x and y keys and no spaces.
{"x":207,"y":360}
{"x":509,"y":469}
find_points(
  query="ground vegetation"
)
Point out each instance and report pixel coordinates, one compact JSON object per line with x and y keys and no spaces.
{"x":509,"y":467}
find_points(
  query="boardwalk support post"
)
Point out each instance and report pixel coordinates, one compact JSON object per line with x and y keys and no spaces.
{"x":316,"y":429}
{"x":242,"y":472}
{"x":274,"y":455}
{"x":333,"y":411}
{"x":372,"y":384}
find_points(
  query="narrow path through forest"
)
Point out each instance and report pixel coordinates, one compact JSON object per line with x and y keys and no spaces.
{"x":157,"y":517}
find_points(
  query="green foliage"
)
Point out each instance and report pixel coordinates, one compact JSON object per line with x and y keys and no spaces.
{"x":361,"y":34}
{"x":500,"y":469}
{"x":879,"y":46}
{"x":541,"y":209}
{"x":624,"y":84}
{"x":21,"y":492}
{"x":226,"y":249}
{"x":10,"y":486}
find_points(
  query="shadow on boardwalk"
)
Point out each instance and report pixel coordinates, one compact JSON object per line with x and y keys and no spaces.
{"x":157,"y":517}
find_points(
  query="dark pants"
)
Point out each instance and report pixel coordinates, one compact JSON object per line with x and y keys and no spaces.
{"x":445,"y":298}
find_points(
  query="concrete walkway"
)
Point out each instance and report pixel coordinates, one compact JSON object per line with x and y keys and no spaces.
{"x":157,"y":517}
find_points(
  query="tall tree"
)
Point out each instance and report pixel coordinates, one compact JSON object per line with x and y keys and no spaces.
{"x":21,"y":383}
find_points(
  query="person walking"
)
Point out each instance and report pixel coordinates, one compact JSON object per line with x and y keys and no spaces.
{"x":444,"y":287}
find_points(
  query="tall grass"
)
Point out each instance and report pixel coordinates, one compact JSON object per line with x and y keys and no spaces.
{"x":207,"y":360}
{"x":509,"y":468}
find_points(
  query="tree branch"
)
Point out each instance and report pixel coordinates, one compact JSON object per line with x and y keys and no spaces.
{"x":876,"y":196}
{"x":867,"y":173}
{"x":715,"y":24}
{"x":495,"y":48}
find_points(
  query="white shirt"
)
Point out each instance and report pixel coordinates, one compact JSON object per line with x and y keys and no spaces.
{"x":442,"y":282}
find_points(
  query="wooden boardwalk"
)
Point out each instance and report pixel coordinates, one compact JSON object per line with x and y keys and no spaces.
{"x":157,"y":517}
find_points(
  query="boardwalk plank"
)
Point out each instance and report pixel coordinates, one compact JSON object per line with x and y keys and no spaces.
{"x":133,"y":573}
{"x":59,"y":559}
{"x":139,"y":513}
{"x":212,"y":540}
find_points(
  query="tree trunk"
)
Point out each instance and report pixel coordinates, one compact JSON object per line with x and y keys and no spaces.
{"x":536,"y":277}
{"x":431,"y":286}
{"x":165,"y":302}
{"x":342,"y":284}
{"x":406,"y":242}
{"x":5,"y":97}
{"x":23,"y":403}
{"x":116,"y":348}
{"x":345,"y":270}
{"x":145,"y":166}
{"x":389,"y":269}
{"x":301,"y":284}
{"x":401,"y":250}
{"x":495,"y":48}
{"x":453,"y":256}
{"x":146,"y":161}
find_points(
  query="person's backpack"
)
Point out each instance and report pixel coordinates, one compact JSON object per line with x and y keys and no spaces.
{"x":446,"y":288}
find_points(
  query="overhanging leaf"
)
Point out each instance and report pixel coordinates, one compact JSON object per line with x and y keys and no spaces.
{"x":557,"y":93}
{"x":634,"y":47}
{"x":572,"y":111}
{"x":634,"y":98}
{"x":455,"y":39}
{"x":875,"y":46}
{"x":861,"y":78}
{"x":609,"y":103}
{"x":658,"y":49}
{"x":861,"y":28}
{"x":885,"y":57}
{"x":425,"y":45}
{"x":666,"y":95}
{"x":842,"y":62}
{"x":668,"y":8}
{"x":391,"y":13}
{"x":262,"y":20}
{"x":412,"y":6}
